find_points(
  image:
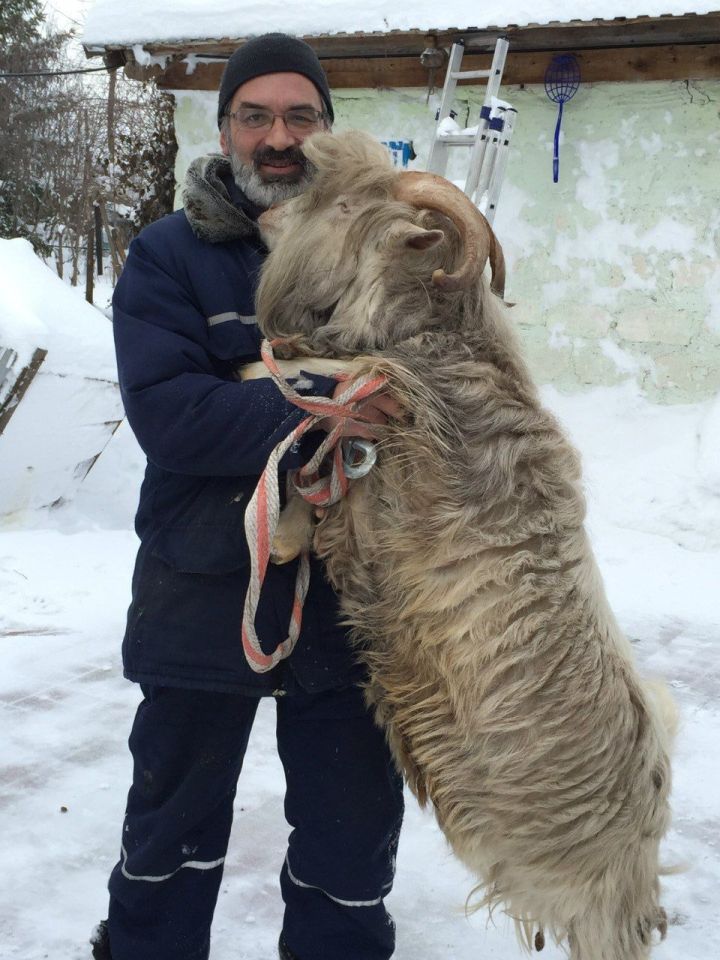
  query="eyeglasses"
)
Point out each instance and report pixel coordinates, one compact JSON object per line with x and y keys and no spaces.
{"x":297,"y":121}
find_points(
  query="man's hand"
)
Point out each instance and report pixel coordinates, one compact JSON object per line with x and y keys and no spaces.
{"x":377,"y":410}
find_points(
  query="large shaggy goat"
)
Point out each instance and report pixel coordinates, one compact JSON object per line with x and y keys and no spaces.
{"x":506,"y":688}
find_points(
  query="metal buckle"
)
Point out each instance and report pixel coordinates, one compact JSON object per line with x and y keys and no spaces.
{"x":359,"y":457}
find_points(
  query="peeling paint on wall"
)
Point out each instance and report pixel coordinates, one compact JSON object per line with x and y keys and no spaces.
{"x":615,"y":270}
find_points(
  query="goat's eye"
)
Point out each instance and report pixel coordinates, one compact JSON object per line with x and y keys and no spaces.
{"x":344,"y":206}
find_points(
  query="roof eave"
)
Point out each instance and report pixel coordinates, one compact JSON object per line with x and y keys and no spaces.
{"x":391,"y":58}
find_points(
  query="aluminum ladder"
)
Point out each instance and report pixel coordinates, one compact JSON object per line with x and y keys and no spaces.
{"x":490,"y":144}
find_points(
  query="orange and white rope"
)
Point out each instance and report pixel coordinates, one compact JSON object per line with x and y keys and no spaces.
{"x":263,"y":511}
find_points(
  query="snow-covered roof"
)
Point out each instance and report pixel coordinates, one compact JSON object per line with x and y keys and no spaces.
{"x":164,"y":21}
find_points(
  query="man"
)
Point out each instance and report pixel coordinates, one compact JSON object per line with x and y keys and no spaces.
{"x":183,"y":319}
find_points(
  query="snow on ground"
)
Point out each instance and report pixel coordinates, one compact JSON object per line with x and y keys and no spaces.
{"x":72,"y":405}
{"x":653,"y":484}
{"x":80,"y":343}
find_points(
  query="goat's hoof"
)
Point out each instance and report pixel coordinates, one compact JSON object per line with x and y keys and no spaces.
{"x":283,"y":552}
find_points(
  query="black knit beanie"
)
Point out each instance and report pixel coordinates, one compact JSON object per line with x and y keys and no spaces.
{"x":272,"y":53}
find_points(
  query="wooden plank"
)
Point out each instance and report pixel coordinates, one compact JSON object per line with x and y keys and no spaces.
{"x":19,"y":388}
{"x":638,"y":32}
{"x":575,"y":35}
{"x":626,"y":64}
{"x":7,"y":358}
{"x":675,"y":62}
{"x":696,"y":62}
{"x":83,"y":469}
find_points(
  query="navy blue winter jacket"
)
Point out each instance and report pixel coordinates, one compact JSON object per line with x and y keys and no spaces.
{"x":183,"y":318}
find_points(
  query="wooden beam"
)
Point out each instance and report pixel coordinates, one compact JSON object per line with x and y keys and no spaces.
{"x":699,"y":62}
{"x":674,"y":62}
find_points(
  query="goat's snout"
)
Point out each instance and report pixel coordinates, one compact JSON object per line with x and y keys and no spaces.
{"x":270,"y":222}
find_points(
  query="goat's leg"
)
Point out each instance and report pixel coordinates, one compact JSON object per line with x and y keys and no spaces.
{"x":294,"y":530}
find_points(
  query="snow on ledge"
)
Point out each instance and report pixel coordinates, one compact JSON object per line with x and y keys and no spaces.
{"x":137,"y":21}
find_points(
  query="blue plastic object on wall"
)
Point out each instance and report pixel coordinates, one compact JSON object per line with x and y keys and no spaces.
{"x":562,"y":79}
{"x":402,"y":151}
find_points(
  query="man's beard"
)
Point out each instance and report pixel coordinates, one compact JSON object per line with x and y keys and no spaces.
{"x":265,"y":192}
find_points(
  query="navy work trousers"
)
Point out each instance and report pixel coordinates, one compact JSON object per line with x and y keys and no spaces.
{"x":343,"y":801}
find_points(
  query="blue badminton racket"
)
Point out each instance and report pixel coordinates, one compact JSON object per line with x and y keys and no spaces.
{"x":562,"y":79}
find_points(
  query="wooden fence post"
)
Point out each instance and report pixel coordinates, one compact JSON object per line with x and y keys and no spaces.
{"x":98,"y":238}
{"x":60,"y":255}
{"x":117,"y":254}
{"x":89,"y":266}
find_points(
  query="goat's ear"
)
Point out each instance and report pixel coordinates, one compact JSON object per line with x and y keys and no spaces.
{"x":408,"y":236}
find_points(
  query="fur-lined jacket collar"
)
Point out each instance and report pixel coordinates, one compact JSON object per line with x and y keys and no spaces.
{"x":215,"y":207}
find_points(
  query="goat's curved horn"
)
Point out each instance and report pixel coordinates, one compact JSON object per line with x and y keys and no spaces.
{"x":431,"y":192}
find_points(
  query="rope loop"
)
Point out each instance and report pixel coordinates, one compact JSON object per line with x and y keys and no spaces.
{"x":263,"y":511}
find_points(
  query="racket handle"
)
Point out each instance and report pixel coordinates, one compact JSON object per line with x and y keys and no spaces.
{"x":556,"y":150}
